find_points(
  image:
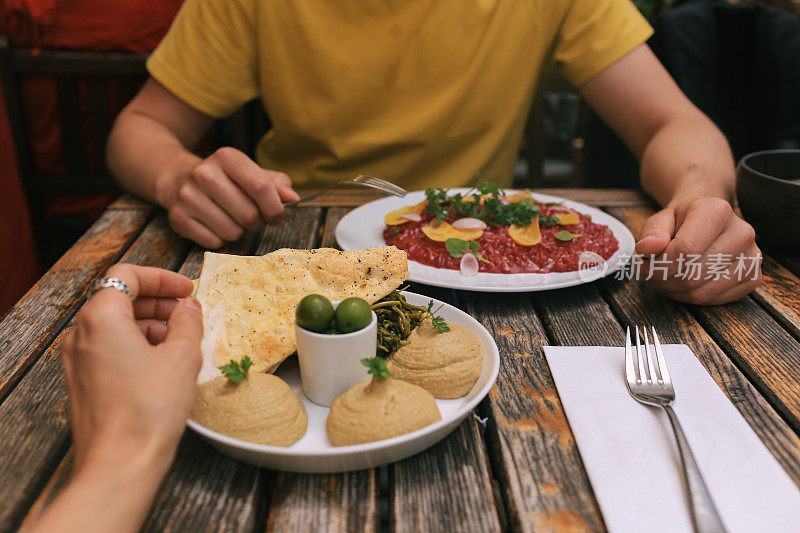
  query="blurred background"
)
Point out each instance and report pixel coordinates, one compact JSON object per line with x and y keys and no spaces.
{"x":69,"y":66}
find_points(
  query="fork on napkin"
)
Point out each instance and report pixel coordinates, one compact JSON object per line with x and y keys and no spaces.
{"x":630,"y":454}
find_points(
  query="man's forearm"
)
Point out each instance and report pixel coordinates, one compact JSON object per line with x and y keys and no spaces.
{"x":146,"y":158}
{"x":675,"y":166}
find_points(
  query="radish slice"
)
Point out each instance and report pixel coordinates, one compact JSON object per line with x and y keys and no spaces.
{"x":469,"y":264}
{"x":412,"y":218}
{"x":469,"y":223}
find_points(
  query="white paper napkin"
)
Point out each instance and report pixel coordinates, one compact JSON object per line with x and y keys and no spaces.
{"x":631,"y":457}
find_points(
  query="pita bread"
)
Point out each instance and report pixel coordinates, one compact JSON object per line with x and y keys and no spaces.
{"x":249,"y":302}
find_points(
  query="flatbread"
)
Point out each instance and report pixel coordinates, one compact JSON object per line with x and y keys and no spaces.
{"x":249,"y":302}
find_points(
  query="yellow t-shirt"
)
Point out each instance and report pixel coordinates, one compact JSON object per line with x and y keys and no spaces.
{"x":422,"y":92}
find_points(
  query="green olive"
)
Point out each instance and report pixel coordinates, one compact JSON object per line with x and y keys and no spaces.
{"x":314,"y":313}
{"x":352,"y":314}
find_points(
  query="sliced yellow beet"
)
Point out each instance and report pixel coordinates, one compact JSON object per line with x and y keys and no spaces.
{"x":517,"y":196}
{"x":394,"y":218}
{"x":526,"y":235}
{"x":566,"y":219}
{"x":441,"y":231}
{"x":471,"y":198}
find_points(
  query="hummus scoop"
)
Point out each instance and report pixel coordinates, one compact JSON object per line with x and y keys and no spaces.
{"x":261,"y":408}
{"x":445,"y":364}
{"x":380,"y":409}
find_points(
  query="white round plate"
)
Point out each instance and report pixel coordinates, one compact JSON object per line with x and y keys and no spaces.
{"x":363,"y":228}
{"x":313,"y":453}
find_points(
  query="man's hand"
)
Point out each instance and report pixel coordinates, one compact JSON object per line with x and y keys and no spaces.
{"x":701,"y":229}
{"x":210,"y":201}
{"x":686,"y":166}
{"x":224,"y":195}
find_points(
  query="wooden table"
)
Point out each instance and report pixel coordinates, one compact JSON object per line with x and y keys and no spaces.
{"x":521,"y":470}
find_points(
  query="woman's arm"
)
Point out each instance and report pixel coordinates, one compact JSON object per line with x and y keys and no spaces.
{"x":131,"y":383}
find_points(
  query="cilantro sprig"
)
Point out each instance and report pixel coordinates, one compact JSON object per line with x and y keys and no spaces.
{"x":458,"y":247}
{"x":376,"y":366}
{"x":236,"y":372}
{"x":484,"y":202}
{"x":438,"y":322}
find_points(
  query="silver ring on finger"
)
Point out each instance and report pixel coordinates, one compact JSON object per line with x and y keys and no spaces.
{"x":109,"y":283}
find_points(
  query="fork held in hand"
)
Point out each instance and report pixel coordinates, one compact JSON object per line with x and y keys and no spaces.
{"x":649,"y":383}
{"x":359,"y":181}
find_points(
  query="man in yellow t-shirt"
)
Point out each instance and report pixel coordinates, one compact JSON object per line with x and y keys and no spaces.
{"x":422,"y":92}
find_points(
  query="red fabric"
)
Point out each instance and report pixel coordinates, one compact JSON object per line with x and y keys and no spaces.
{"x":98,"y":25}
{"x":92,"y":25}
{"x":19,"y":267}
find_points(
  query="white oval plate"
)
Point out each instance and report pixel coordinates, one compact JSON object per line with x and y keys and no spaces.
{"x":363,"y":228}
{"x":313,"y":453}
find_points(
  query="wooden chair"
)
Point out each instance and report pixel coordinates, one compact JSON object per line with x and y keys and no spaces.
{"x":109,"y":81}
{"x":109,"y":78}
{"x":92,"y":88}
{"x":537,"y":147}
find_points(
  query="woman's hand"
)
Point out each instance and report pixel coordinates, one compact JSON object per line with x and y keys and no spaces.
{"x":703,"y":253}
{"x":224,"y":195}
{"x":131,"y":385}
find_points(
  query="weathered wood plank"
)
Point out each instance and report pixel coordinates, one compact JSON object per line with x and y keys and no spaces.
{"x":208,"y":491}
{"x":447,"y":487}
{"x":33,"y":418}
{"x":129,"y":201}
{"x":332,"y":218}
{"x":29,"y":326}
{"x":333,"y":502}
{"x":34,"y":433}
{"x":56,"y":483}
{"x":780,"y":295}
{"x":767,"y":354}
{"x":790,"y":263}
{"x":301,"y":228}
{"x":578,"y":316}
{"x":602,"y":197}
{"x":531,"y":445}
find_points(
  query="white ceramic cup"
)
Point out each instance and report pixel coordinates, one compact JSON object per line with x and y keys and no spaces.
{"x":331,"y":364}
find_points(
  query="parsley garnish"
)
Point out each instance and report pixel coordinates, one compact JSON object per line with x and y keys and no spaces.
{"x":458,"y":247}
{"x":484,"y":202}
{"x":566,"y":236}
{"x":437,"y":203}
{"x":438,"y":322}
{"x":377,"y":367}
{"x":236,"y":372}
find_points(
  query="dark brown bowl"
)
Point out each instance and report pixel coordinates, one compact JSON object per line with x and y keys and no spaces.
{"x":768,"y":200}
